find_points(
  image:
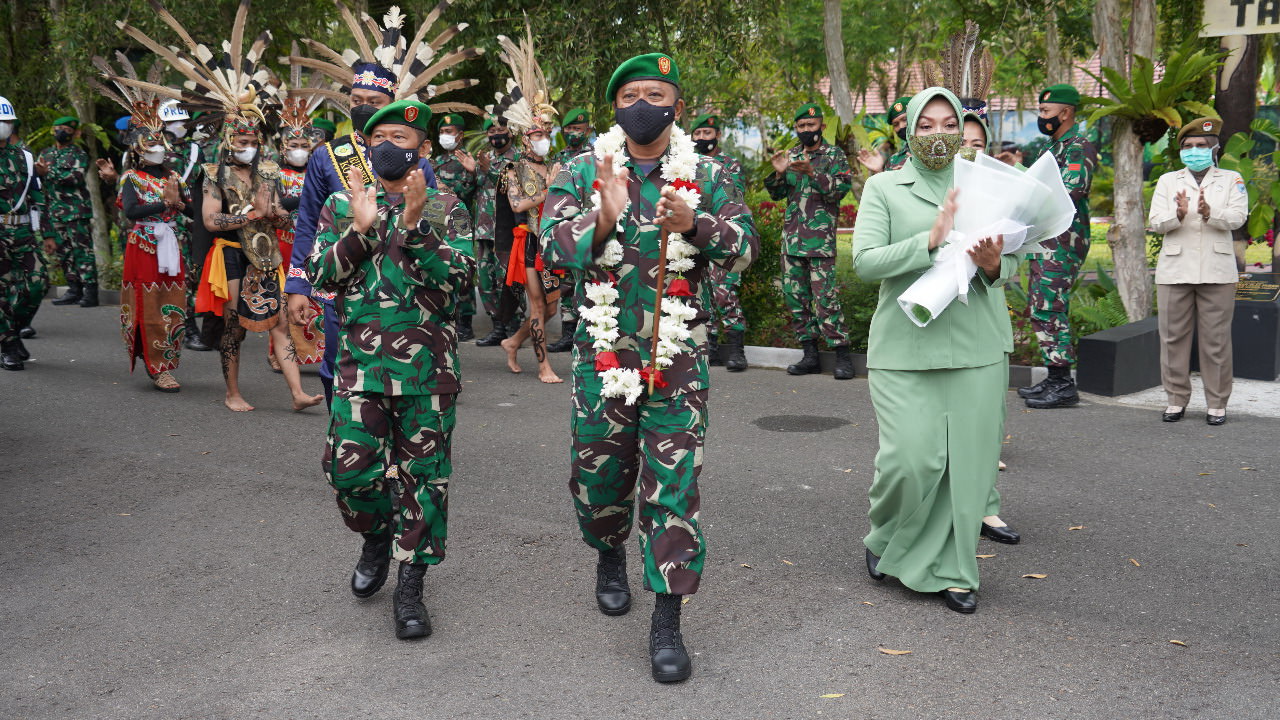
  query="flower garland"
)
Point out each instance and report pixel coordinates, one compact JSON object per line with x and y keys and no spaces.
{"x":680,"y":168}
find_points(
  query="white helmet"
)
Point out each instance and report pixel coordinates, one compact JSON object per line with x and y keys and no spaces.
{"x":6,"y":110}
{"x":172,"y":111}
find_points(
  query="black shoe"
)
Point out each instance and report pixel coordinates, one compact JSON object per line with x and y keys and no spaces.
{"x":1173,"y":417}
{"x":713,"y":351}
{"x":27,"y":333}
{"x":71,"y":296}
{"x":90,"y":298}
{"x":1215,"y":420}
{"x":465,"y":331}
{"x":565,"y":343}
{"x":371,"y":570}
{"x":411,"y":616}
{"x":809,"y":363}
{"x":192,"y":339}
{"x":844,"y":364}
{"x":737,"y":361}
{"x":1034,"y":390}
{"x":10,"y":357}
{"x":613,"y":594}
{"x":962,"y":602}
{"x":23,"y":353}
{"x":667,"y":656}
{"x":1003,"y":534}
{"x":872,"y":563}
{"x":1057,"y":393}
{"x":495,"y":336}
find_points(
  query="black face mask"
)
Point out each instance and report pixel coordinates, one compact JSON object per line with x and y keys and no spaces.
{"x":499,"y":141}
{"x":575,"y":139}
{"x":809,"y":138}
{"x":902,"y":134}
{"x":62,"y":136}
{"x":706,"y":147}
{"x":391,"y":162}
{"x":645,"y":123}
{"x":1049,"y":126}
{"x":360,"y":115}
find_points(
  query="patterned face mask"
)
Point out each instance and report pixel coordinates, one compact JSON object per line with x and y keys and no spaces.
{"x":935,"y":151}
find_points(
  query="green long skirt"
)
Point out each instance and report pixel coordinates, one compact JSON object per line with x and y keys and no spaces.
{"x":940,"y":435}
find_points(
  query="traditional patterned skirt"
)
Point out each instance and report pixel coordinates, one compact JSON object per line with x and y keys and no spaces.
{"x":153,"y":306}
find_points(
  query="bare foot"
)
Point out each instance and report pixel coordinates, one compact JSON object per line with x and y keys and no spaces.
{"x":547,"y":375}
{"x":303,"y":401}
{"x":237,"y":403}
{"x":511,"y":348}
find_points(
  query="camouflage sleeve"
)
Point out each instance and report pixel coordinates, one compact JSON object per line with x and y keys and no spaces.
{"x":1077,"y":170}
{"x":726,"y":233}
{"x":443,"y":264}
{"x":875,"y":255}
{"x":777,"y":185}
{"x":71,"y":171}
{"x":569,"y":233}
{"x":834,"y":184}
{"x":337,"y":253}
{"x":466,"y":185}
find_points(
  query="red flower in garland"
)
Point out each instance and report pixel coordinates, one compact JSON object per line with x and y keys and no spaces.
{"x":596,"y":185}
{"x":685,"y":185}
{"x":679,"y":288}
{"x":607,"y":361}
{"x":658,"y":382}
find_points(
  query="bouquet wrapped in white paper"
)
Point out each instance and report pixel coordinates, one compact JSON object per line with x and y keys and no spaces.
{"x":994,"y":199}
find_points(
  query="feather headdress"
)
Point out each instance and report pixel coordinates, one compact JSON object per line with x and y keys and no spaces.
{"x":231,"y":85}
{"x":413,"y":64}
{"x":966,"y":69}
{"x":302,"y":98}
{"x":142,"y":104}
{"x":526,"y":104}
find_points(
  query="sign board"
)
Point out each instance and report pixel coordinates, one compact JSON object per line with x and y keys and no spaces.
{"x":1258,"y":287}
{"x":1240,"y":17}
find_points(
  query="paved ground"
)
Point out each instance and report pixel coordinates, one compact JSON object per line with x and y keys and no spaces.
{"x":165,"y":558}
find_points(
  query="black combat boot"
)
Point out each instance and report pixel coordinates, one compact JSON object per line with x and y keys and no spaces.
{"x":1033,"y":390}
{"x":613,"y":594}
{"x":567,"y":330}
{"x":844,"y":364}
{"x":23,"y":353}
{"x":412,"y":620}
{"x":375,"y":561}
{"x":713,"y":350}
{"x":192,"y":340}
{"x":26,"y":332}
{"x":809,"y":363}
{"x":1059,"y":390}
{"x":72,"y":295}
{"x":465,"y":332}
{"x":495,"y":336}
{"x":90,"y":298}
{"x":667,"y":656}
{"x":10,"y":357}
{"x":737,"y":361}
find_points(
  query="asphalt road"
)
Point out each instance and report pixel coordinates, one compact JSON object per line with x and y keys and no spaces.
{"x":165,"y":558}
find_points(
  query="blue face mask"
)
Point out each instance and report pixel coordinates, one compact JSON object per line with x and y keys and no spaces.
{"x":1197,"y":159}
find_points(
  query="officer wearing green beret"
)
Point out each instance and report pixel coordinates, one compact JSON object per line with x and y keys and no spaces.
{"x":1052,"y":275}
{"x":576,"y":128}
{"x":812,"y":177}
{"x":874,"y":161}
{"x":495,"y":225}
{"x":22,"y":276}
{"x":62,"y":168}
{"x":397,"y":254}
{"x":326,"y":126}
{"x":455,"y":170}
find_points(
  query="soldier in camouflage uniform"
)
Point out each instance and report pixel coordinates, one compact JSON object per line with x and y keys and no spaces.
{"x":456,"y":174}
{"x":22,"y":276}
{"x":61,"y":168}
{"x":638,"y":444}
{"x":812,"y":177}
{"x":873,"y":160}
{"x":185,"y":158}
{"x":397,"y":256}
{"x":577,"y":137}
{"x":1053,"y":274}
{"x":490,"y":169}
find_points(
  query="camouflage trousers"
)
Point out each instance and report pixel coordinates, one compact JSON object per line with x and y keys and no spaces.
{"x":370,"y":433}
{"x":811,"y":291}
{"x":651,"y":450}
{"x":74,"y":241}
{"x":466,"y":305}
{"x":1051,"y":278}
{"x":23,"y":281}
{"x":725,"y":309}
{"x":490,"y":276}
{"x":568,"y":300}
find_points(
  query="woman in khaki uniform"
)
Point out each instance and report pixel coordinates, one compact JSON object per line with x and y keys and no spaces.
{"x":938,"y":390}
{"x":1197,"y":208}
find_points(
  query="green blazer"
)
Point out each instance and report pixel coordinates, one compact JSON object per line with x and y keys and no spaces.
{"x":891,"y":244}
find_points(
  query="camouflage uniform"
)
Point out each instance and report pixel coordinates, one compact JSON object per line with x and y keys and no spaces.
{"x":570,"y":285}
{"x":898,"y":159}
{"x":184,"y":158}
{"x":1053,"y":274}
{"x":809,"y":283}
{"x":653,"y":448}
{"x":456,"y":180}
{"x":23,"y":281}
{"x":490,"y":271}
{"x":397,"y":378}
{"x":722,"y":286}
{"x":70,"y":212}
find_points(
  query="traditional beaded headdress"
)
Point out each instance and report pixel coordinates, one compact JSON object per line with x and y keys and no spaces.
{"x":142,"y":104}
{"x":966,"y":69}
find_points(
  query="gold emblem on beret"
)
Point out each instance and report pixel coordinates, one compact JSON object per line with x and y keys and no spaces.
{"x":897,"y":107}
{"x":664,"y":65}
{"x":411,"y":113}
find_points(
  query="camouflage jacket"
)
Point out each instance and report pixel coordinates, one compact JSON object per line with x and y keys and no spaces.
{"x":813,"y":201}
{"x":734,"y":168}
{"x":14,"y":179}
{"x":723,"y":231}
{"x":66,"y":196}
{"x":453,"y":178}
{"x":1077,"y":158}
{"x":486,"y":197}
{"x":898,"y":159}
{"x":185,"y":158}
{"x":568,"y":154}
{"x":396,"y":291}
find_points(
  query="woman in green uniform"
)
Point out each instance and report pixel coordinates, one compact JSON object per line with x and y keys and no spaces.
{"x":938,"y":390}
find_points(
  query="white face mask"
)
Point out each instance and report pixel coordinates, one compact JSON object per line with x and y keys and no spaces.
{"x":541,"y":147}
{"x":177,"y":129}
{"x":6,"y":129}
{"x":297,"y":156}
{"x":154,"y":155}
{"x":246,"y":155}
{"x":448,"y":142}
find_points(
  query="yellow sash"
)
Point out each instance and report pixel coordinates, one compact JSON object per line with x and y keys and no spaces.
{"x":217,"y":272}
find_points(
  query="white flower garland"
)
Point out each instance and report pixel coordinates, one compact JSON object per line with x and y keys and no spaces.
{"x":681,"y":169}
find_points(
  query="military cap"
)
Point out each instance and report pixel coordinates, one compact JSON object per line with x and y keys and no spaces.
{"x":1060,"y":93}
{"x":67,"y":120}
{"x":401,"y":112}
{"x":326,"y":125}
{"x":1200,"y":127}
{"x":808,"y":110}
{"x":706,"y":120}
{"x":576,"y":115}
{"x":898,"y":108}
{"x":653,"y":66}
{"x":453,"y":120}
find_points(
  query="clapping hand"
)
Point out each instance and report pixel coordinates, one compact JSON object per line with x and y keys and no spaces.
{"x":1203,"y":207}
{"x":873,"y":161}
{"x":106,"y":171}
{"x":464,"y":157}
{"x":364,"y":202}
{"x":1181,"y":201}
{"x":945,"y":221}
{"x":172,"y":197}
{"x":986,"y":255}
{"x":415,"y":197}
{"x":779,"y":160}
{"x":613,"y":195}
{"x":802,"y":166}
{"x":42,"y":167}
{"x":483,"y":162}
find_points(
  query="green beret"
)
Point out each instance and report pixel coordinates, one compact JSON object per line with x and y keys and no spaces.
{"x":325,"y":124}
{"x":706,"y":120}
{"x":808,"y":110}
{"x":401,"y":112}
{"x":654,"y":66}
{"x":1060,"y":93}
{"x":67,"y":120}
{"x":1200,"y":127}
{"x":576,"y":115}
{"x":898,"y":108}
{"x":454,"y":120}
